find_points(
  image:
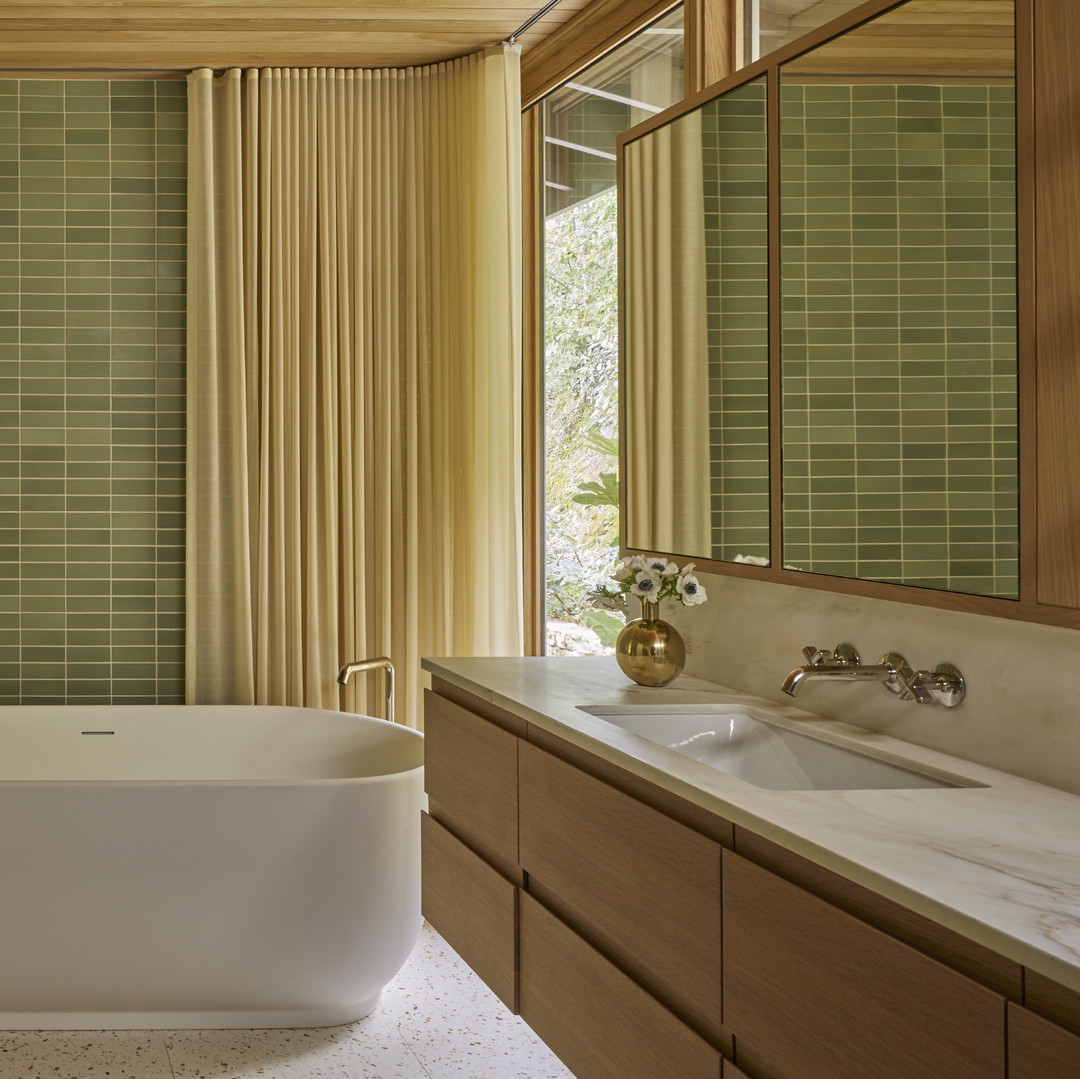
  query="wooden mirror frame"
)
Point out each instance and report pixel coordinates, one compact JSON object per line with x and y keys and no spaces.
{"x":1048,"y":246}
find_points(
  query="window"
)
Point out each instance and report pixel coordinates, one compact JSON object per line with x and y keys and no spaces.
{"x":581,"y":121}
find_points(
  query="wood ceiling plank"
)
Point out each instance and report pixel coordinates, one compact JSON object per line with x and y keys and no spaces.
{"x":435,"y":15}
{"x":213,"y":29}
{"x":114,"y":34}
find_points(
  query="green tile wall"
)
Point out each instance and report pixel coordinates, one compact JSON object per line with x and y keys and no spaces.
{"x":899,"y":333}
{"x":734,"y":161}
{"x":92,"y":198}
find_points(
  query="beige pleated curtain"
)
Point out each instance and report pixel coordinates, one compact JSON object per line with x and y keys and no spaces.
{"x":353,"y":366}
{"x":666,"y":434}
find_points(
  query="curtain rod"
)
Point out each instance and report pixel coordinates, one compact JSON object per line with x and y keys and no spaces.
{"x":104,"y":71}
{"x":530,"y":21}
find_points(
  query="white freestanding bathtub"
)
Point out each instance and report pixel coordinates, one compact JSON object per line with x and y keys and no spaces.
{"x":203,"y":866}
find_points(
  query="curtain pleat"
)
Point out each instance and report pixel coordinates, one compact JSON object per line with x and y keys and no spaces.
{"x":668,"y":500}
{"x":354,"y":376}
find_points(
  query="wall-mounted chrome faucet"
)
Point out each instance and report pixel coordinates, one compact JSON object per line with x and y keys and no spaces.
{"x":943,"y":685}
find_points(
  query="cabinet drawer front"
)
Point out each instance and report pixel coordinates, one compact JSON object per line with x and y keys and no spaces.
{"x":813,"y":993}
{"x":470,"y":776}
{"x":643,"y":888}
{"x":598,"y":1021}
{"x":472,"y":906}
{"x":1039,"y":1049}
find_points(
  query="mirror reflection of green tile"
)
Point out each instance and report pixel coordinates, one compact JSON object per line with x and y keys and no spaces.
{"x":899,"y":333}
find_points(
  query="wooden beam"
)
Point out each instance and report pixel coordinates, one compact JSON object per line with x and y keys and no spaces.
{"x":711,"y":41}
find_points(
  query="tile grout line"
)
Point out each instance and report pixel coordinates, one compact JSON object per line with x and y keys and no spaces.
{"x":168,"y":1055}
{"x":407,"y":1043}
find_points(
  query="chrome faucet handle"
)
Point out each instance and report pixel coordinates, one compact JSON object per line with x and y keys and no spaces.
{"x":841,"y":656}
{"x":846,"y":654}
{"x":943,"y":685}
{"x":907,"y":684}
{"x":946,"y":685}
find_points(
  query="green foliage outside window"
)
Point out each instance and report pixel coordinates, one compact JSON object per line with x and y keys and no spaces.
{"x":581,"y":409}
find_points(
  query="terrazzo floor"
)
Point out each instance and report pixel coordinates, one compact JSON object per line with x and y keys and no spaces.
{"x":437,"y":1020}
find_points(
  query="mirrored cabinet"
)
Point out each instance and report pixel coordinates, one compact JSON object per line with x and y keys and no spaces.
{"x":695,"y":254}
{"x":849,"y":339}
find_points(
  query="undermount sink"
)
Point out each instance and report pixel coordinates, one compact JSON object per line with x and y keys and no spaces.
{"x":760,"y":750}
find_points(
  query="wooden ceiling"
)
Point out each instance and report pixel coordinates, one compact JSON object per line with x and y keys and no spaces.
{"x":162,"y":35}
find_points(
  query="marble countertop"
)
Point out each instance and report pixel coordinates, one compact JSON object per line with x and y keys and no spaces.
{"x":998,"y":863}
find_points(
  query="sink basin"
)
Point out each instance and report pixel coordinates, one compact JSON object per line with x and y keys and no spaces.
{"x":761,"y":750}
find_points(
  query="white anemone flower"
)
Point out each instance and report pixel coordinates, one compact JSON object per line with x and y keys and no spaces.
{"x":662,"y":567}
{"x":690,"y":591}
{"x":689,"y":568}
{"x":646,"y":585}
{"x":623,"y":572}
{"x":638,"y":562}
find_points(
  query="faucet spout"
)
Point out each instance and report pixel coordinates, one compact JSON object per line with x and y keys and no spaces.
{"x":838,"y":672}
{"x":378,"y":663}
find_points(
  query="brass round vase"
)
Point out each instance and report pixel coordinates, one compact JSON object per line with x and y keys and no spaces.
{"x":650,"y":652}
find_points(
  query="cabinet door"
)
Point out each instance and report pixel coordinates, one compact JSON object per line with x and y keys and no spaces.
{"x":598,"y":1021}
{"x":470,"y":776}
{"x":812,"y":993}
{"x":473,"y":907}
{"x":1039,"y":1049}
{"x":643,"y":888}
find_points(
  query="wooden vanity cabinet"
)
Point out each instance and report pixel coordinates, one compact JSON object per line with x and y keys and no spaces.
{"x":601,"y":925}
{"x":641,"y":941}
{"x":469,"y":842}
{"x":473,"y":906}
{"x":641,"y":886}
{"x":597,"y":1019}
{"x":1039,"y":1049}
{"x":470,"y":777}
{"x":814,"y":993}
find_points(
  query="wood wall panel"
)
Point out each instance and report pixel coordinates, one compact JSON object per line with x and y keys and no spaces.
{"x":711,"y":32}
{"x":1057,"y":285}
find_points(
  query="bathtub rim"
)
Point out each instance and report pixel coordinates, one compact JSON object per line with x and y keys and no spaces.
{"x":410,"y":733}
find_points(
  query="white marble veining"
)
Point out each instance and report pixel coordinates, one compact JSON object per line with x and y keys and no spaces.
{"x":436,"y":1020}
{"x":998,"y":863}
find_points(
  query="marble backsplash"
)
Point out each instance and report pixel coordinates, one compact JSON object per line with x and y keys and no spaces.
{"x":1022,"y":709}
